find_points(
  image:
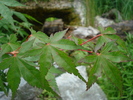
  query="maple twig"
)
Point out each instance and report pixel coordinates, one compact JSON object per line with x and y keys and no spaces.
{"x":28,"y":37}
{"x":68,"y":37}
{"x":91,"y":39}
{"x":48,"y":44}
{"x":14,"y":53}
{"x":85,"y":50}
{"x":88,"y":51}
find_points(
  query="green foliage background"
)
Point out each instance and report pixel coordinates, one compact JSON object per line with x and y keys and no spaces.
{"x":98,"y":7}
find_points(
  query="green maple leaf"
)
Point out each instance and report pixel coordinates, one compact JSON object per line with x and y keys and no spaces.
{"x":51,"y":75}
{"x":57,"y":36}
{"x":116,"y":56}
{"x":6,"y":13}
{"x":12,"y":45}
{"x":25,"y":46}
{"x":49,"y":53}
{"x":103,"y":63}
{"x":112,"y":73}
{"x":13,"y":38}
{"x":108,"y":30}
{"x":108,"y":51}
{"x":100,"y":43}
{"x":40,"y":36}
{"x":108,"y":47}
{"x":65,"y":62}
{"x":66,"y":44}
{"x":109,"y":35}
{"x":118,"y":40}
{"x":45,"y":62}
{"x":18,"y":68}
{"x":36,"y":40}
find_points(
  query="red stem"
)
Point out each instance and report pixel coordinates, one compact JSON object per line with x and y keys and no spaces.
{"x":28,"y":37}
{"x":85,"y":50}
{"x":48,"y":44}
{"x":88,"y":41}
{"x":91,"y":39}
{"x":88,"y":51}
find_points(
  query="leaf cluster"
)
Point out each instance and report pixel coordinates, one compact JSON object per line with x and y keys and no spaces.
{"x":46,"y":51}
{"x":35,"y":59}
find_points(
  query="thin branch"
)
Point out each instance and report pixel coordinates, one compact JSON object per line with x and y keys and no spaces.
{"x":85,"y":51}
{"x":91,"y":39}
{"x":28,"y":37}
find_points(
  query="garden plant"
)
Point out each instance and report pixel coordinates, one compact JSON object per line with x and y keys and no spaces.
{"x":32,"y":56}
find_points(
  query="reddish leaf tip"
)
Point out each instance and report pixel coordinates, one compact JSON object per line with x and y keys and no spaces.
{"x":48,"y":44}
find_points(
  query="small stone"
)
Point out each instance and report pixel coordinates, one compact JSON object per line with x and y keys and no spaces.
{"x":103,"y":22}
{"x":85,"y":32}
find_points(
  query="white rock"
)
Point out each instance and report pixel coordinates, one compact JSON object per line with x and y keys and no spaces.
{"x":84,"y":32}
{"x":4,"y":97}
{"x":73,"y":88}
{"x":103,"y":22}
